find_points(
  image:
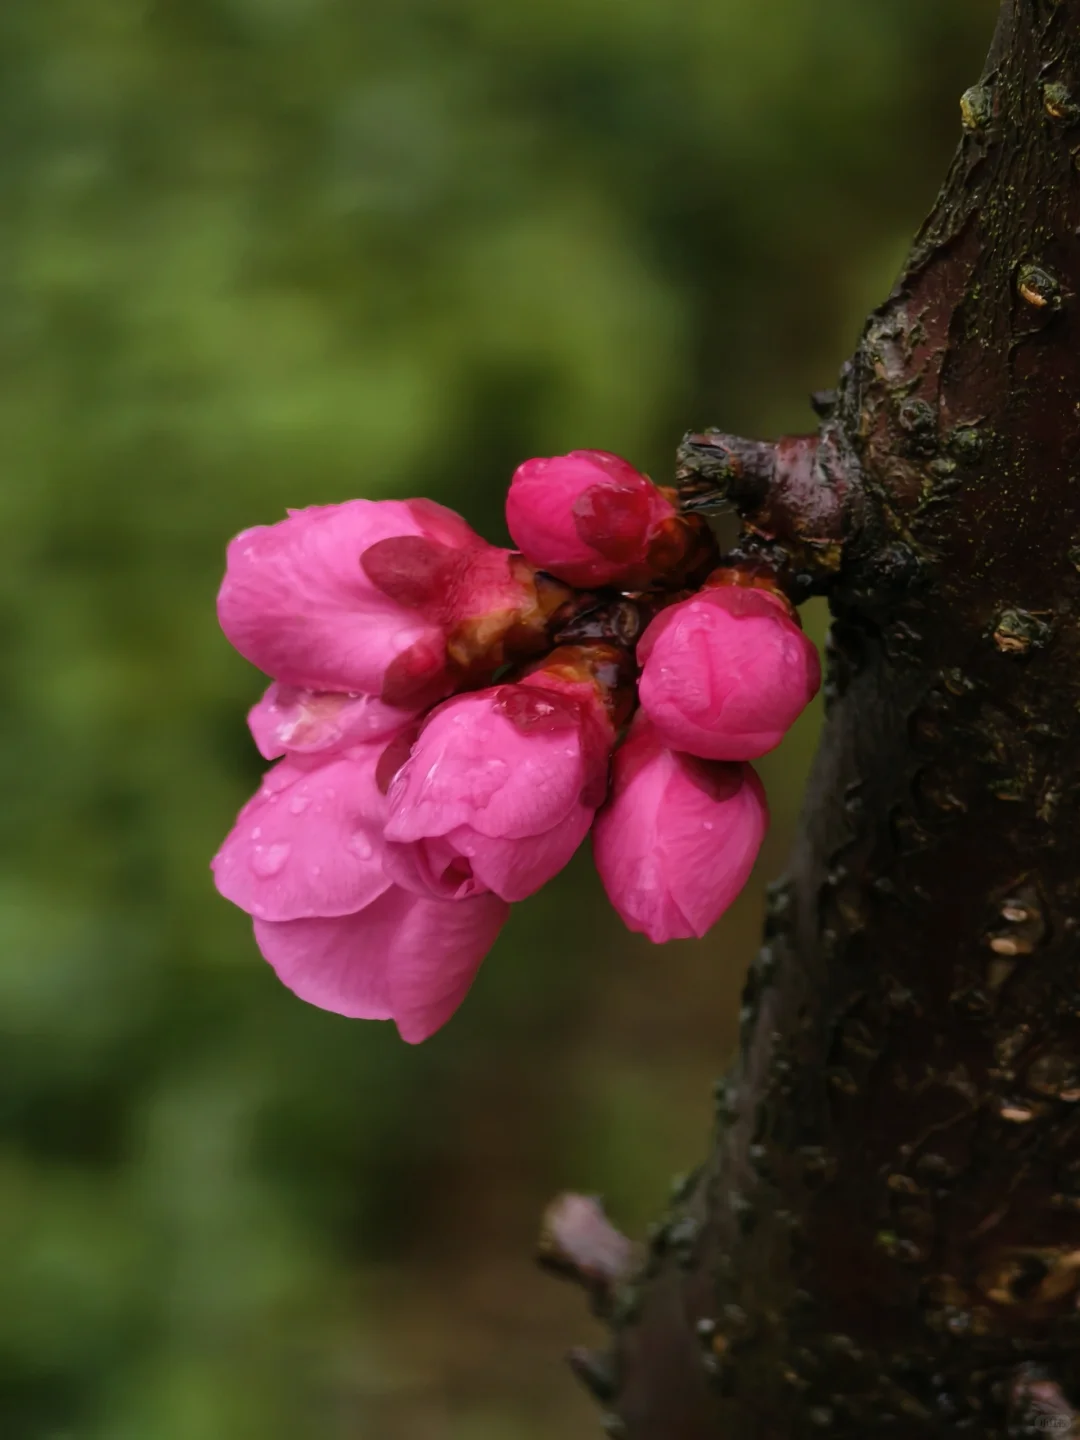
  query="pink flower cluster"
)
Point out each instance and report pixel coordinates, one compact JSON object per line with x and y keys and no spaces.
{"x":446,"y":717}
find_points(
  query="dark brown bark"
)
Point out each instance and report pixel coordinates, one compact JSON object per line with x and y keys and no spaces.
{"x":887,"y":1234}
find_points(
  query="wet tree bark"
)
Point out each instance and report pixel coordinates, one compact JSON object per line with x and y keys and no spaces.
{"x":886,"y":1236}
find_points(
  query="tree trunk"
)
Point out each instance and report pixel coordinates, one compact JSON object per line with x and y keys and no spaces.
{"x":886,"y":1236}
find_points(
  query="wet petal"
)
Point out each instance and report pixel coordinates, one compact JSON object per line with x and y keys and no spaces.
{"x":431,"y":868}
{"x":676,"y":842}
{"x":332,"y":963}
{"x":515,"y":869}
{"x":309,"y":843}
{"x":726,"y":673}
{"x":402,"y":958}
{"x":436,"y":947}
{"x":473,"y":766}
{"x":310,"y":722}
{"x":707,"y":847}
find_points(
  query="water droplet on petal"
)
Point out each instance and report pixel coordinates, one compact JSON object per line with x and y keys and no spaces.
{"x":267,"y":860}
{"x":298,"y":804}
{"x":360,"y":845}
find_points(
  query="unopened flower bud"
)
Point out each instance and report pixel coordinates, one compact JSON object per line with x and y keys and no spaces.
{"x":727,"y":672}
{"x":678,"y":838}
{"x":593,"y":520}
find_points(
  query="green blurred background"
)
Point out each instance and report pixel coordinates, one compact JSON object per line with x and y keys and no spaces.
{"x":265,"y":253}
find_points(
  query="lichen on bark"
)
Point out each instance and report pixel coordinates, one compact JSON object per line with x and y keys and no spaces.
{"x":886,"y":1236}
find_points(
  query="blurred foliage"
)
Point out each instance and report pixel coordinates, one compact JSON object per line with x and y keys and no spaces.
{"x":261,"y":253}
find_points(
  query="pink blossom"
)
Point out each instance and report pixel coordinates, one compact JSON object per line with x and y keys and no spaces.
{"x":678,"y":838}
{"x":587,"y":517}
{"x":306,"y":860}
{"x":391,"y":601}
{"x":298,"y":601}
{"x":500,"y":789}
{"x":726,"y":673}
{"x":406,"y":958}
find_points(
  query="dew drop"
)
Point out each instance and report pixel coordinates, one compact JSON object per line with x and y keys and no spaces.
{"x":268,"y":860}
{"x":298,"y":804}
{"x":360,"y":845}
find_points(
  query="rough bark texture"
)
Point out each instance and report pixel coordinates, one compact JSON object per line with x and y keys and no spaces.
{"x":887,"y":1234}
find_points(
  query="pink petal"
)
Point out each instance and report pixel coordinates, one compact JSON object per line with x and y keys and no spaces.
{"x":295,"y":600}
{"x":310,"y":842}
{"x":451,"y":587}
{"x":402,"y":957}
{"x":435,"y":949}
{"x":618,"y":520}
{"x":431,"y":868}
{"x":678,"y":839}
{"x":539,"y":513}
{"x":708,"y":848}
{"x":471,"y":765}
{"x":442,"y":525}
{"x":308,"y":722}
{"x":587,"y":517}
{"x":626,"y":847}
{"x":726,"y":673}
{"x":647,"y":907}
{"x":333,"y":963}
{"x":516,"y":869}
{"x":412,"y":570}
{"x":490,"y":582}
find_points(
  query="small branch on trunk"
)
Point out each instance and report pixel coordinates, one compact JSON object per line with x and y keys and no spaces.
{"x":795,"y":499}
{"x":578,"y":1242}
